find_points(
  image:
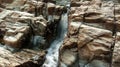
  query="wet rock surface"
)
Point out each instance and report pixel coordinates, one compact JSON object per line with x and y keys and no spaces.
{"x":27,"y":28}
{"x":32,"y":33}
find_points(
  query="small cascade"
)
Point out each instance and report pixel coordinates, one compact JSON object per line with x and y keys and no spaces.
{"x":53,"y":51}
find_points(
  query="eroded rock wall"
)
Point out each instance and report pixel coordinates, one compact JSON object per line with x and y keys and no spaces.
{"x":27,"y":24}
{"x":90,"y":34}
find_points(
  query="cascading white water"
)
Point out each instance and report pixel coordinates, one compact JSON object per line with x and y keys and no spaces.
{"x":53,"y":51}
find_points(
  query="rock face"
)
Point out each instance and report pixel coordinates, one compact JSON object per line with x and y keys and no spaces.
{"x":89,"y":39}
{"x":27,"y":24}
{"x":23,"y":58}
{"x":32,"y":24}
{"x":15,"y":31}
{"x":91,"y":43}
{"x":16,"y":26}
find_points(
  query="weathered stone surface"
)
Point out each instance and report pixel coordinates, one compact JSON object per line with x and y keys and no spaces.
{"x":89,"y":39}
{"x":116,"y":52}
{"x":91,"y":43}
{"x":13,"y":30}
{"x":50,"y":8}
{"x":69,"y":52}
{"x":24,"y":24}
{"x":20,"y":58}
{"x":96,"y":13}
{"x":39,"y":25}
{"x":15,"y":34}
{"x":94,"y":44}
{"x":16,"y":26}
{"x":6,"y":1}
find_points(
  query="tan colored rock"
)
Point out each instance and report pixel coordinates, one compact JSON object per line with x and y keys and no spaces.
{"x":96,"y":14}
{"x":59,"y":10}
{"x":50,"y":8}
{"x":116,"y":52}
{"x":25,"y":57}
{"x":39,"y":25}
{"x":15,"y":34}
{"x":6,"y":1}
{"x":90,"y":42}
{"x":14,"y":31}
{"x":13,"y":41}
{"x":97,"y":41}
{"x":68,"y":52}
{"x":74,"y":28}
{"x":76,"y":4}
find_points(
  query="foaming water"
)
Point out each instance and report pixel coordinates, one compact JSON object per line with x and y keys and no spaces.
{"x":53,"y":51}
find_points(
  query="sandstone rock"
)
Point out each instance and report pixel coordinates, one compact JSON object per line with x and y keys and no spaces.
{"x":18,"y":26}
{"x":31,"y":7}
{"x":24,"y":58}
{"x":16,"y":4}
{"x":5,"y":13}
{"x":95,"y":15}
{"x":13,"y":41}
{"x":74,"y":28}
{"x":91,"y":43}
{"x":97,"y":43}
{"x":97,"y":2}
{"x":50,"y":8}
{"x":90,"y":35}
{"x":98,"y":63}
{"x":68,"y":52}
{"x":14,"y":31}
{"x":116,"y":52}
{"x":6,"y":1}
{"x":59,"y":10}
{"x":39,"y":25}
{"x":15,"y":34}
{"x":76,"y":4}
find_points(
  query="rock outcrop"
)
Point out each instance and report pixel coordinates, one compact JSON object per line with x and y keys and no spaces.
{"x":27,"y":26}
{"x":23,"y":58}
{"x":90,"y":35}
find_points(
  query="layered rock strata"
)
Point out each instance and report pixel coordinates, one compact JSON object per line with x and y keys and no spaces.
{"x":89,"y":38}
{"x":27,"y":24}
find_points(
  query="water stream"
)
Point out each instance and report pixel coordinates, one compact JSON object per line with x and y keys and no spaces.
{"x":53,"y":51}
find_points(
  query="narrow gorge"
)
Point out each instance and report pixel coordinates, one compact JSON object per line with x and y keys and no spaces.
{"x":59,"y":33}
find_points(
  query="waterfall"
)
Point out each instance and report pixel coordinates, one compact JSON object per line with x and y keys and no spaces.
{"x":53,"y":51}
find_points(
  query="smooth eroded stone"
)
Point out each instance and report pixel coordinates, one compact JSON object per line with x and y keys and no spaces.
{"x":13,"y":41}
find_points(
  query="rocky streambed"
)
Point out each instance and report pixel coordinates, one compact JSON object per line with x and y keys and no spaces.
{"x":27,"y":29}
{"x":59,"y":33}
